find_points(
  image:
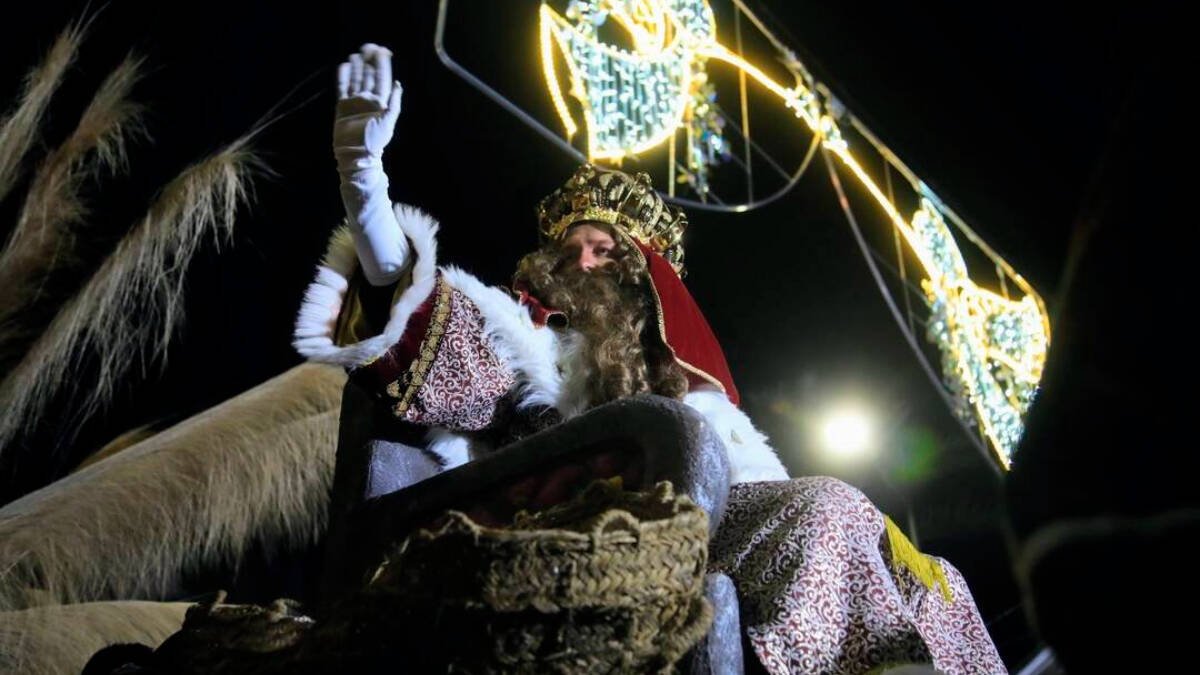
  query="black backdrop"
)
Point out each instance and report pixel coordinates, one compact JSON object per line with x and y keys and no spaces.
{"x":1006,"y":109}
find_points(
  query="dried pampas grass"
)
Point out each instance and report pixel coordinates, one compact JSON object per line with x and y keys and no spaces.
{"x":129,"y":309}
{"x":43,"y":238}
{"x":19,"y":129}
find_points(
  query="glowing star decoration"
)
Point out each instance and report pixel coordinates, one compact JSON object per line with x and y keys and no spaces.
{"x":993,"y":348}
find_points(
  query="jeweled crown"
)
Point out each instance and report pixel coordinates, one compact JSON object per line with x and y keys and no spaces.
{"x":618,"y":199}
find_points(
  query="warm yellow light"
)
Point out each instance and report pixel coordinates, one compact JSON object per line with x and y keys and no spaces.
{"x":546,"y":29}
{"x":675,"y":56}
{"x":679,"y":37}
{"x":646,"y":23}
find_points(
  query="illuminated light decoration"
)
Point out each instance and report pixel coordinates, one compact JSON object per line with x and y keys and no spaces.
{"x":631,"y":101}
{"x":993,"y":348}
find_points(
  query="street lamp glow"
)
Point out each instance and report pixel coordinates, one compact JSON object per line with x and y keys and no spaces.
{"x":847,"y":433}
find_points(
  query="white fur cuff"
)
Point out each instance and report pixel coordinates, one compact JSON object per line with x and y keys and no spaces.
{"x":317,"y":318}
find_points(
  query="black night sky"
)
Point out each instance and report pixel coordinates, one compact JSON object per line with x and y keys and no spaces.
{"x":1016,"y":113}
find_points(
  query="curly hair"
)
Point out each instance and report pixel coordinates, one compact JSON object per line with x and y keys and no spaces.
{"x":623,"y":353}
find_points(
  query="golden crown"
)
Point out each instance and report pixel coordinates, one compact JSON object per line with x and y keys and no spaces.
{"x":618,"y":199}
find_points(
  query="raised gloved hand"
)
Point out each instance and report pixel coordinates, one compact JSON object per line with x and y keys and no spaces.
{"x":367,"y":109}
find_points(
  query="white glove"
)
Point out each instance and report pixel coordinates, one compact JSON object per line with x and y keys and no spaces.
{"x":367,"y":109}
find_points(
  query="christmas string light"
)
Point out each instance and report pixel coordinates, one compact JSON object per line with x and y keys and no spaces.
{"x":993,"y":348}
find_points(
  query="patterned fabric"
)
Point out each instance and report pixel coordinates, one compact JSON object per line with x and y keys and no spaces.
{"x":819,"y":595}
{"x":817,"y":588}
{"x":465,"y":379}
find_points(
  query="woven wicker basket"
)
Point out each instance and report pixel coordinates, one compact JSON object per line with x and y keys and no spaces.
{"x":610,"y":582}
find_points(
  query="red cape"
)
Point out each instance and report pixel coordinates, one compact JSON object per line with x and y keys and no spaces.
{"x":685,"y":330}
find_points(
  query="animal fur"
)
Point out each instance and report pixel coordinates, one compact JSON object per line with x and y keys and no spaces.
{"x":255,"y":469}
{"x":59,"y":640}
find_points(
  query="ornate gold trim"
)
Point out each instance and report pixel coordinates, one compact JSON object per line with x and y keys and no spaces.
{"x":411,"y":381}
{"x":591,"y":214}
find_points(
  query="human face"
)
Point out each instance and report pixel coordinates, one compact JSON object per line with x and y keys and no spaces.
{"x":588,"y":246}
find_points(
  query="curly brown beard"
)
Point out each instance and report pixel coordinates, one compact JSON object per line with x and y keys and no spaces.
{"x":622,"y":353}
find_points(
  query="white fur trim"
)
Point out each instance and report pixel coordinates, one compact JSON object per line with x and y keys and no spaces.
{"x":751,"y":457}
{"x":449,"y":448}
{"x":573,"y":393}
{"x":315,"y":323}
{"x":454,"y":448}
{"x":532,"y":352}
